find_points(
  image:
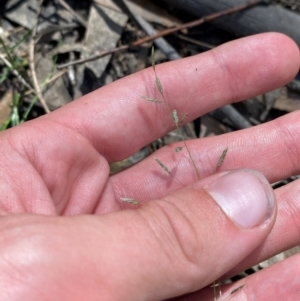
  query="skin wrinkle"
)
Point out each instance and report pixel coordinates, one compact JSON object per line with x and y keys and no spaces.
{"x":22,"y":154}
{"x":107,"y":130}
{"x":170,"y":208}
{"x":15,"y":204}
{"x":290,"y":136}
{"x":227,"y":74}
{"x":85,"y":197}
{"x":161,"y":232}
{"x":183,"y":80}
{"x":293,"y":209}
{"x":184,"y":104}
{"x":272,"y":282}
{"x":71,"y":130}
{"x":185,"y":162}
{"x":160,"y":226}
{"x":256,"y":291}
{"x":69,"y":167}
{"x":120,"y":191}
{"x":117,"y":194}
{"x":284,"y":236}
{"x":203,"y":90}
{"x":5,"y":183}
{"x":28,"y":148}
{"x":189,"y":248}
{"x":185,"y":245}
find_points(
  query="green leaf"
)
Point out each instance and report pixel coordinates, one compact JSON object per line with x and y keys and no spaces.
{"x":24,"y":38}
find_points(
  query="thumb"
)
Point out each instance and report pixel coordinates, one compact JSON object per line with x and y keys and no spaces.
{"x":164,"y":249}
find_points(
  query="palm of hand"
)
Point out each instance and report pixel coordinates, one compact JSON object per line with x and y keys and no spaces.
{"x":59,"y":164}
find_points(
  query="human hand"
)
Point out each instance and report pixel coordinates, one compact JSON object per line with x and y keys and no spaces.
{"x":63,"y":233}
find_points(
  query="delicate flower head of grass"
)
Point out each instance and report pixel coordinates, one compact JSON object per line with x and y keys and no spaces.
{"x":158,"y":85}
{"x":183,"y":118}
{"x":130,"y":201}
{"x":234,"y":291}
{"x":178,"y":149}
{"x":151,"y":99}
{"x":163,"y":166}
{"x":222,"y":157}
{"x":175,"y":117}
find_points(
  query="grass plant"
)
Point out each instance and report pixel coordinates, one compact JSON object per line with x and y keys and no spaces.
{"x":174,"y":115}
{"x":15,"y":65}
{"x":178,"y":123}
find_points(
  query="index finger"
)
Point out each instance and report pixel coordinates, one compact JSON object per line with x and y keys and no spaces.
{"x":118,"y":122}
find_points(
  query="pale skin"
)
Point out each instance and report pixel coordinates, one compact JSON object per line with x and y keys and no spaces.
{"x":63,"y":235}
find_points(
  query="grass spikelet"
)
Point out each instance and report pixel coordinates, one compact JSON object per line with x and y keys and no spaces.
{"x":234,"y":291}
{"x":158,"y":85}
{"x":175,"y":117}
{"x":163,"y":166}
{"x":183,"y":118}
{"x":166,"y":169}
{"x":178,"y":149}
{"x":157,"y":80}
{"x":130,"y":201}
{"x":153,"y":58}
{"x":222,"y":157}
{"x":152,"y":99}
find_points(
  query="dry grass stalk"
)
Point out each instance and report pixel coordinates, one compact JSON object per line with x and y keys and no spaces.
{"x":32,"y":63}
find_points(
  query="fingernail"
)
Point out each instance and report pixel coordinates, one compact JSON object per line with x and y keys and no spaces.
{"x":245,"y":196}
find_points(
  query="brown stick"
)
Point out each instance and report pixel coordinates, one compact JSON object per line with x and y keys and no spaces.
{"x":98,"y":55}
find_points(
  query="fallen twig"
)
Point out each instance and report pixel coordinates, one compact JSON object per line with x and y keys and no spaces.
{"x":32,"y":63}
{"x":161,"y":43}
{"x":98,"y":55}
{"x":48,"y":82}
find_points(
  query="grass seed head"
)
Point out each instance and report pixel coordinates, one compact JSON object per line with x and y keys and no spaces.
{"x":183,"y":117}
{"x":175,"y":117}
{"x":178,"y":149}
{"x":158,"y":85}
{"x":163,"y":166}
{"x":222,"y":157}
{"x":151,"y":99}
{"x":130,"y":201}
